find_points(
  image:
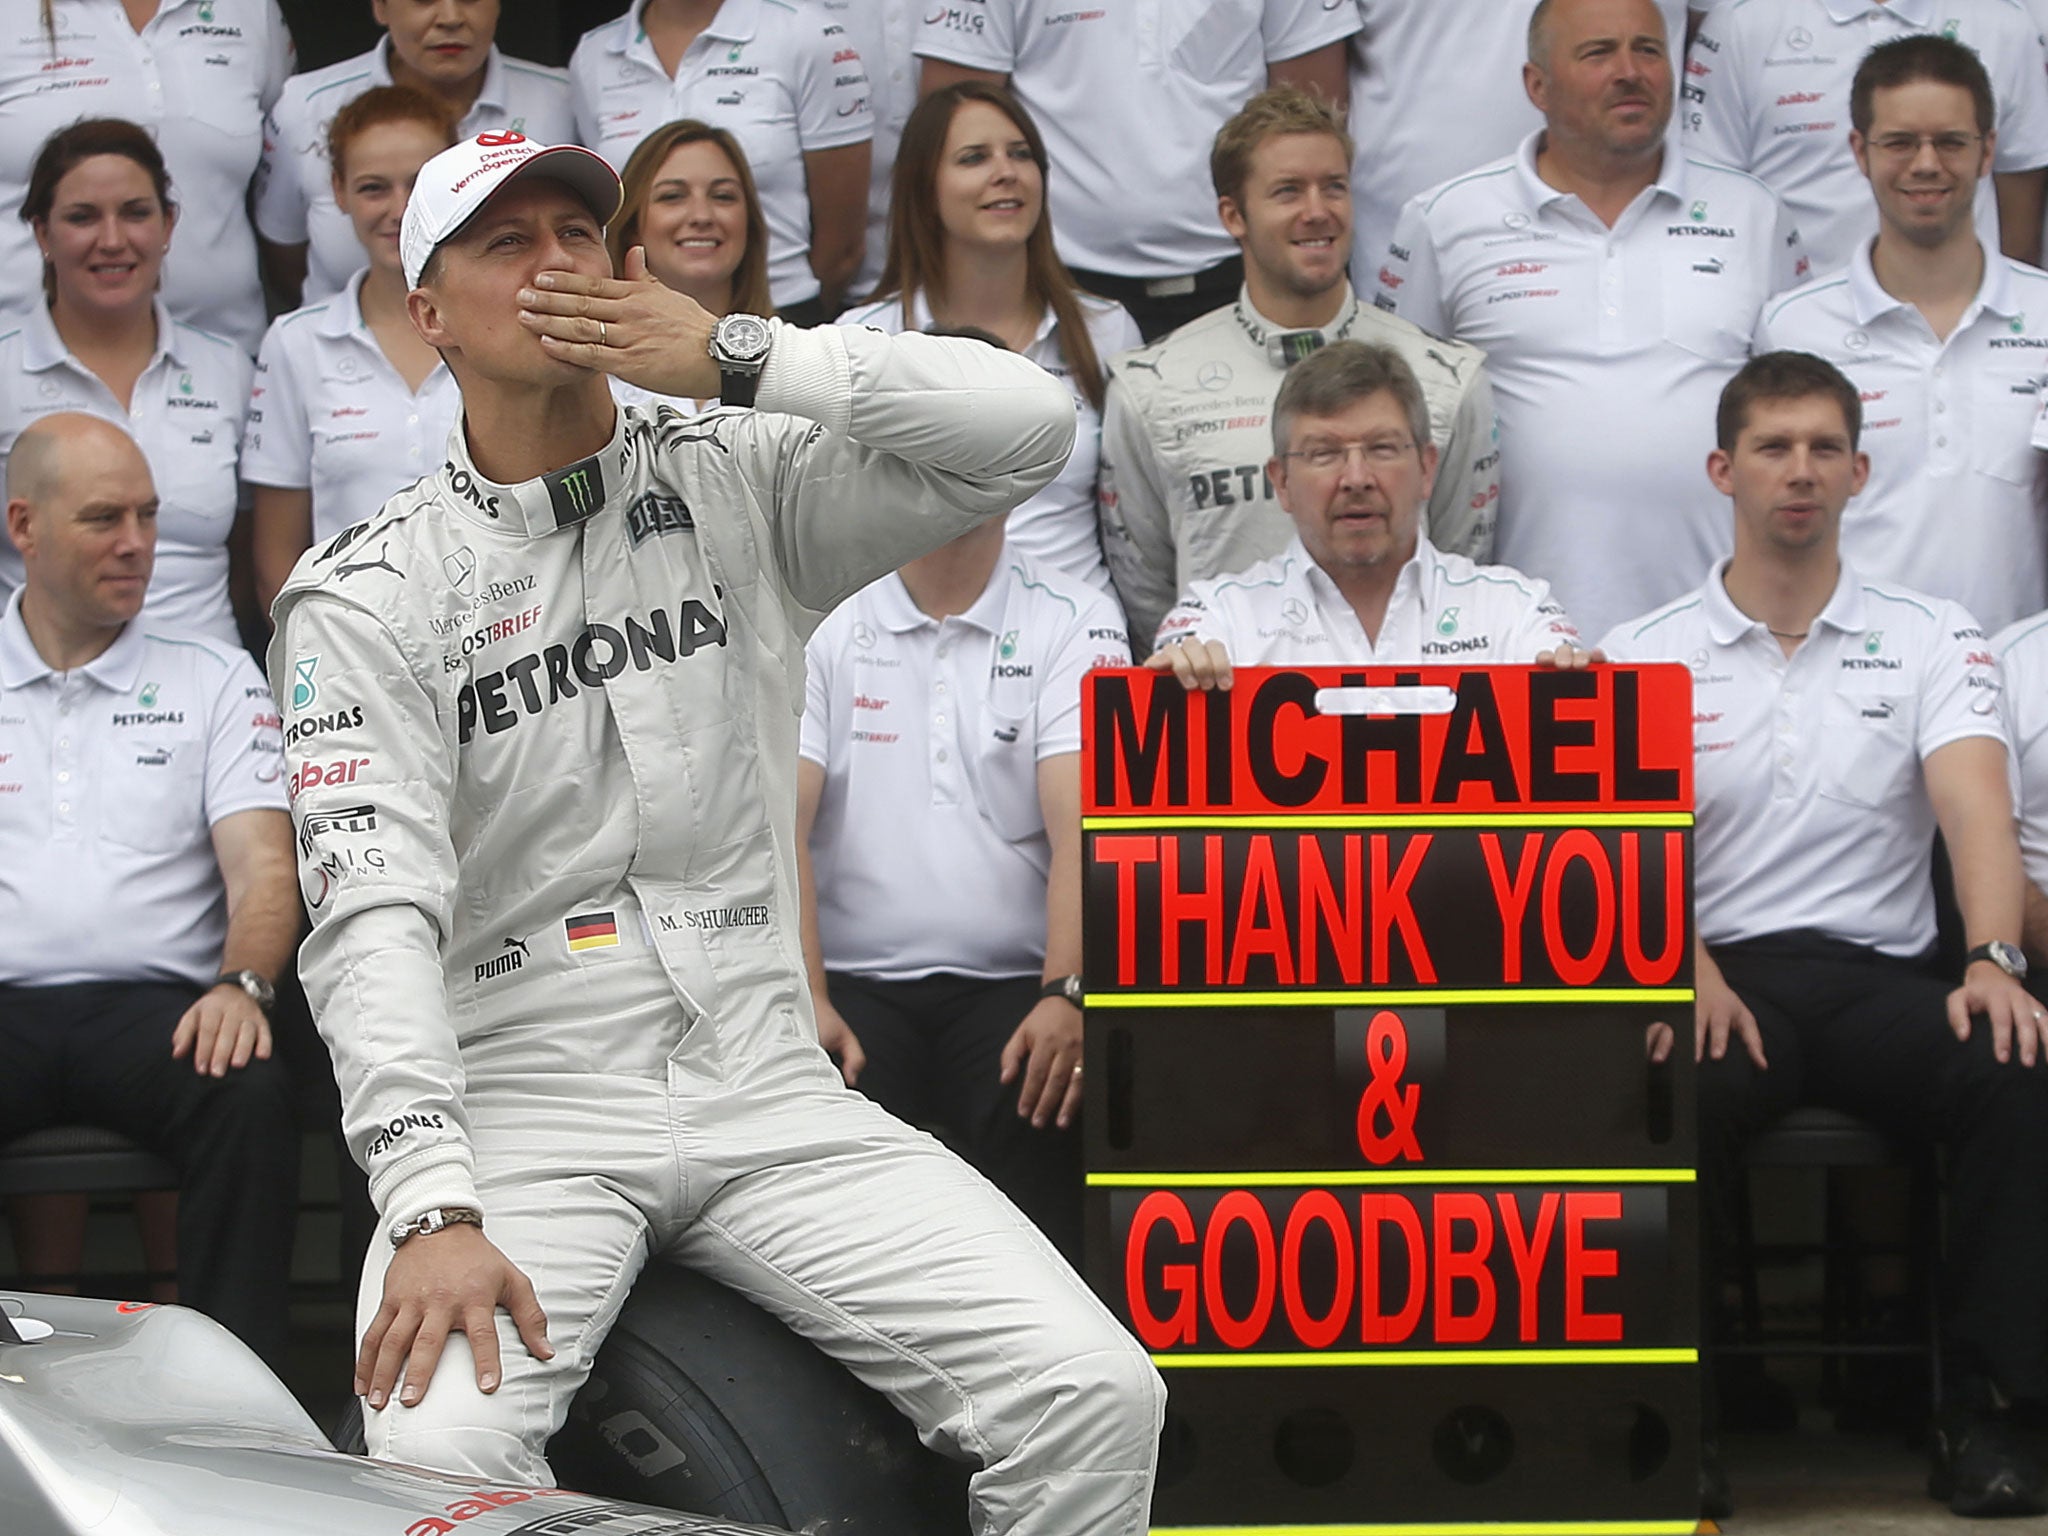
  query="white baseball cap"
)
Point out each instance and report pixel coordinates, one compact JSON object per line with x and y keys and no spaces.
{"x":454,"y":186}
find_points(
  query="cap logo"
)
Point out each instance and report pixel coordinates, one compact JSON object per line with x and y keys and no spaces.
{"x":500,"y":139}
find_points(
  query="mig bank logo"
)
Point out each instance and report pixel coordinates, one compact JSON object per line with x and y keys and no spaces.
{"x":1447,"y":622}
{"x":1873,"y":642}
{"x":147,"y":698}
{"x":1008,"y":648}
{"x":1699,"y":211}
{"x":303,"y":690}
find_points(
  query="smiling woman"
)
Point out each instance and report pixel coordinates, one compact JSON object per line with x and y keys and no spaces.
{"x":100,"y":208}
{"x":354,"y":406}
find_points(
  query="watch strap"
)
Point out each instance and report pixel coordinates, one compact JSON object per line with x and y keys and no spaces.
{"x":738,"y":386}
{"x":435,"y":1221}
{"x":1068,"y":987}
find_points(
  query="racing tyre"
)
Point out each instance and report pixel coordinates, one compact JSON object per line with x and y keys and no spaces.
{"x":701,"y":1402}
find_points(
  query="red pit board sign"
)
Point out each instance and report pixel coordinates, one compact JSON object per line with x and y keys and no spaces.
{"x":1374,"y":1151}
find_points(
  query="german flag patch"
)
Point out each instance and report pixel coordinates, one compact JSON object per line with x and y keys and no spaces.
{"x":593,"y":930}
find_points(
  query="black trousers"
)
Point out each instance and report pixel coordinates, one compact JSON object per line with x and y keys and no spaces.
{"x":1156,"y":315}
{"x":1854,"y":1030}
{"x":934,"y":1048}
{"x":99,"y":1053}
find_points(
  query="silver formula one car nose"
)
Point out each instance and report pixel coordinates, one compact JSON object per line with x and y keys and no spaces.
{"x":127,"y":1419}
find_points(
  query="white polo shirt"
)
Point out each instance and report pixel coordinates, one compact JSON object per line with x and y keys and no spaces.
{"x":1608,"y":350}
{"x":930,"y":849}
{"x":295,"y":184}
{"x":885,"y":31}
{"x":786,"y":80}
{"x":1129,"y":97}
{"x":198,"y":76}
{"x":1954,"y":501}
{"x":186,"y":415}
{"x":1767,"y":90}
{"x":1812,"y":807}
{"x":1287,"y":612}
{"x":2022,"y":652}
{"x":1058,"y":526}
{"x":111,"y":776}
{"x":1436,"y":90}
{"x":328,"y":413}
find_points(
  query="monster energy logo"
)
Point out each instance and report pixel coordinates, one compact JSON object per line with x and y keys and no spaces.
{"x":577,"y":491}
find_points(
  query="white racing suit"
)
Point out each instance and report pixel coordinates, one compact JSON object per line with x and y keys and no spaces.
{"x":543,"y":744}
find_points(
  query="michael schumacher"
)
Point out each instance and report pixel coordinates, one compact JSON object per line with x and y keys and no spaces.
{"x":542,"y":712}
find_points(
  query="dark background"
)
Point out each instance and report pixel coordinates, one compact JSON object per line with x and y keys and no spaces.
{"x":542,"y":30}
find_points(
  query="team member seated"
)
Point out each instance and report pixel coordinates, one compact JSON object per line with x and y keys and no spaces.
{"x":1352,"y":465}
{"x":146,"y":897}
{"x":939,"y":801}
{"x":1840,"y":721}
{"x":1185,"y":423}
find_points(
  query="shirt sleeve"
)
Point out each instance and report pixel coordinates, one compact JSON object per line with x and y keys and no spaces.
{"x":583,"y":87}
{"x":1959,"y":684}
{"x":1136,"y":520}
{"x":916,"y":439}
{"x":280,"y":200}
{"x":378,"y":873}
{"x":1096,"y":639}
{"x":1466,"y":497}
{"x":1789,"y":264}
{"x":279,"y":59}
{"x":1714,"y":111}
{"x":830,"y":89}
{"x":277,"y":442}
{"x":814,"y":733}
{"x":1291,"y":28}
{"x":979,"y":35}
{"x":1409,"y":285}
{"x":2019,"y":67}
{"x":2026,"y":728}
{"x":1194,"y":617}
{"x":1543,"y":625}
{"x":244,"y":744}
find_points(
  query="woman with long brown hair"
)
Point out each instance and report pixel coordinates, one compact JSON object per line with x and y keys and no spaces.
{"x":970,"y":244}
{"x":690,"y":200}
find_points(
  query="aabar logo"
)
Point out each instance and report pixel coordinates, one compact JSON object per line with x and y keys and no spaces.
{"x":1799,"y":98}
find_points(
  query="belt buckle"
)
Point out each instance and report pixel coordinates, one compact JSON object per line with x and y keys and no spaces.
{"x":1168,"y":287}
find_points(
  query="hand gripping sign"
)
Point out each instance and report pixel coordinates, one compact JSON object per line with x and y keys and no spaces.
{"x":1379,"y":1170}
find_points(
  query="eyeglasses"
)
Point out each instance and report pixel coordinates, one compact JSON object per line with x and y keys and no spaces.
{"x":1379,"y":452}
{"x":1906,"y":146}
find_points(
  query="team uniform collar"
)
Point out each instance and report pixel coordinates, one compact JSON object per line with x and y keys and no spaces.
{"x":532,"y":509}
{"x":1263,"y":331}
{"x":917,"y":316}
{"x":491,"y":94}
{"x":1915,"y":13}
{"x":736,"y":22}
{"x":1408,"y":581}
{"x":898,"y":613}
{"x":1669,"y":181}
{"x":42,"y":347}
{"x":1728,"y":624}
{"x":1994,"y":292}
{"x":21,"y":664}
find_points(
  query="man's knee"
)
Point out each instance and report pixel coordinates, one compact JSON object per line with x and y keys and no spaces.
{"x":457,"y":1428}
{"x":1102,"y":1404}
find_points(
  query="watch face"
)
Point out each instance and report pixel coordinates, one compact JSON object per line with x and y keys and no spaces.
{"x":743,"y":338}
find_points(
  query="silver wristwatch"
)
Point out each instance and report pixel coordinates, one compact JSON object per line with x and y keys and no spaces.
{"x":435,"y":1221}
{"x":739,"y":345}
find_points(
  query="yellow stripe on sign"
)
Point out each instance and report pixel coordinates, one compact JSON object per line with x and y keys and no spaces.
{"x":1402,"y":997}
{"x":1452,"y":1528}
{"x":1479,"y":819}
{"x":1352,"y":1177}
{"x":1348,"y":1358}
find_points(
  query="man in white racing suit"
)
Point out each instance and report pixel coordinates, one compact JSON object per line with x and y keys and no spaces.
{"x":1183,"y":491}
{"x":541,"y":712}
{"x":1353,"y":465}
